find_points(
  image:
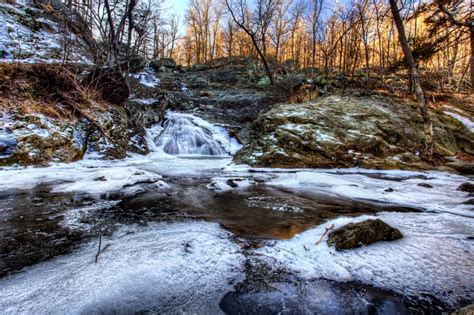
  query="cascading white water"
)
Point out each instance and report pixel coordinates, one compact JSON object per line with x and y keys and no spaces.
{"x":184,"y":134}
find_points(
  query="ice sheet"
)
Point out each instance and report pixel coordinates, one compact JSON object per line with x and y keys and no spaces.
{"x":434,"y":257}
{"x":393,"y":186}
{"x":178,"y":267}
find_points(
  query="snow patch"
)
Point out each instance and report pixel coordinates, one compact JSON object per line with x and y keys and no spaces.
{"x":466,"y":121}
{"x":41,"y":40}
{"x":77,"y":177}
{"x":223,"y":184}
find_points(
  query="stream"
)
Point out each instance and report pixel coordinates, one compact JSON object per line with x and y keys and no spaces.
{"x":183,"y":230}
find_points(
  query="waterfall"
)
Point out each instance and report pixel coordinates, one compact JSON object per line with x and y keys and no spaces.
{"x":184,"y":134}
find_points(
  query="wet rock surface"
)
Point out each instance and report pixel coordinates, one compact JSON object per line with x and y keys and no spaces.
{"x":364,"y":233}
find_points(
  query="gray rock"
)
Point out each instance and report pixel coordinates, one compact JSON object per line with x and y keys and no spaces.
{"x":469,"y":202}
{"x":160,"y":65}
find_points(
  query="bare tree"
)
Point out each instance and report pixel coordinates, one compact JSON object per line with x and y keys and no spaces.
{"x":453,"y":9}
{"x":315,"y":14}
{"x":297,"y":13}
{"x":281,"y":23}
{"x":415,"y":75}
{"x":229,"y":34}
{"x":257,"y":28}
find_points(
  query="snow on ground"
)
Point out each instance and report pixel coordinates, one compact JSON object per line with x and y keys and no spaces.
{"x":104,"y":180}
{"x":28,"y":39}
{"x":179,"y":267}
{"x":466,"y":121}
{"x":434,"y":257}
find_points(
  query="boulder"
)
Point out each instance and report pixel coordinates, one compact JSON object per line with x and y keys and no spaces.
{"x":137,"y":63}
{"x":160,"y":64}
{"x":466,"y":310}
{"x":355,"y":235}
{"x":224,"y":77}
{"x":469,"y":202}
{"x":205,"y":93}
{"x":463,"y":167}
{"x":39,"y":140}
{"x":350,"y":131}
{"x":467,"y":187}
{"x":143,"y":114}
{"x":8,"y":144}
{"x":424,"y":185}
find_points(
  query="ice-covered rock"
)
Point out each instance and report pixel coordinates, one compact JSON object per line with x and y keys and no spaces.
{"x":8,"y":144}
{"x":465,"y":120}
{"x":91,"y":177}
{"x":147,"y":79}
{"x":389,"y":187}
{"x":37,"y":139}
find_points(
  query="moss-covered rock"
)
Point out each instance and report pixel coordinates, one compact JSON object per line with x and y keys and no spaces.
{"x":117,"y":136}
{"x":347,"y":131}
{"x":39,"y":140}
{"x":363,"y":233}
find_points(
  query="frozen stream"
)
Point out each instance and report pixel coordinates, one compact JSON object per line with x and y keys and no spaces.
{"x":192,"y":233}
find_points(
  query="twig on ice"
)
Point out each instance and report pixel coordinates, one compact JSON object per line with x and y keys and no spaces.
{"x":328,"y":229}
{"x":98,"y":251}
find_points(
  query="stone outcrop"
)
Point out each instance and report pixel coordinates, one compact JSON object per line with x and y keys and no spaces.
{"x":348,"y":131}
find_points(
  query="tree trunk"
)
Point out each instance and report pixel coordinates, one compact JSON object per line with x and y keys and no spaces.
{"x":472,"y":57}
{"x":415,"y":76}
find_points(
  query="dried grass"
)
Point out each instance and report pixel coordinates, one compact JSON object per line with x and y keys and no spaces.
{"x":48,"y":89}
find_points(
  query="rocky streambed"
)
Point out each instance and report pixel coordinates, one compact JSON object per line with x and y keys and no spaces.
{"x":195,"y":233}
